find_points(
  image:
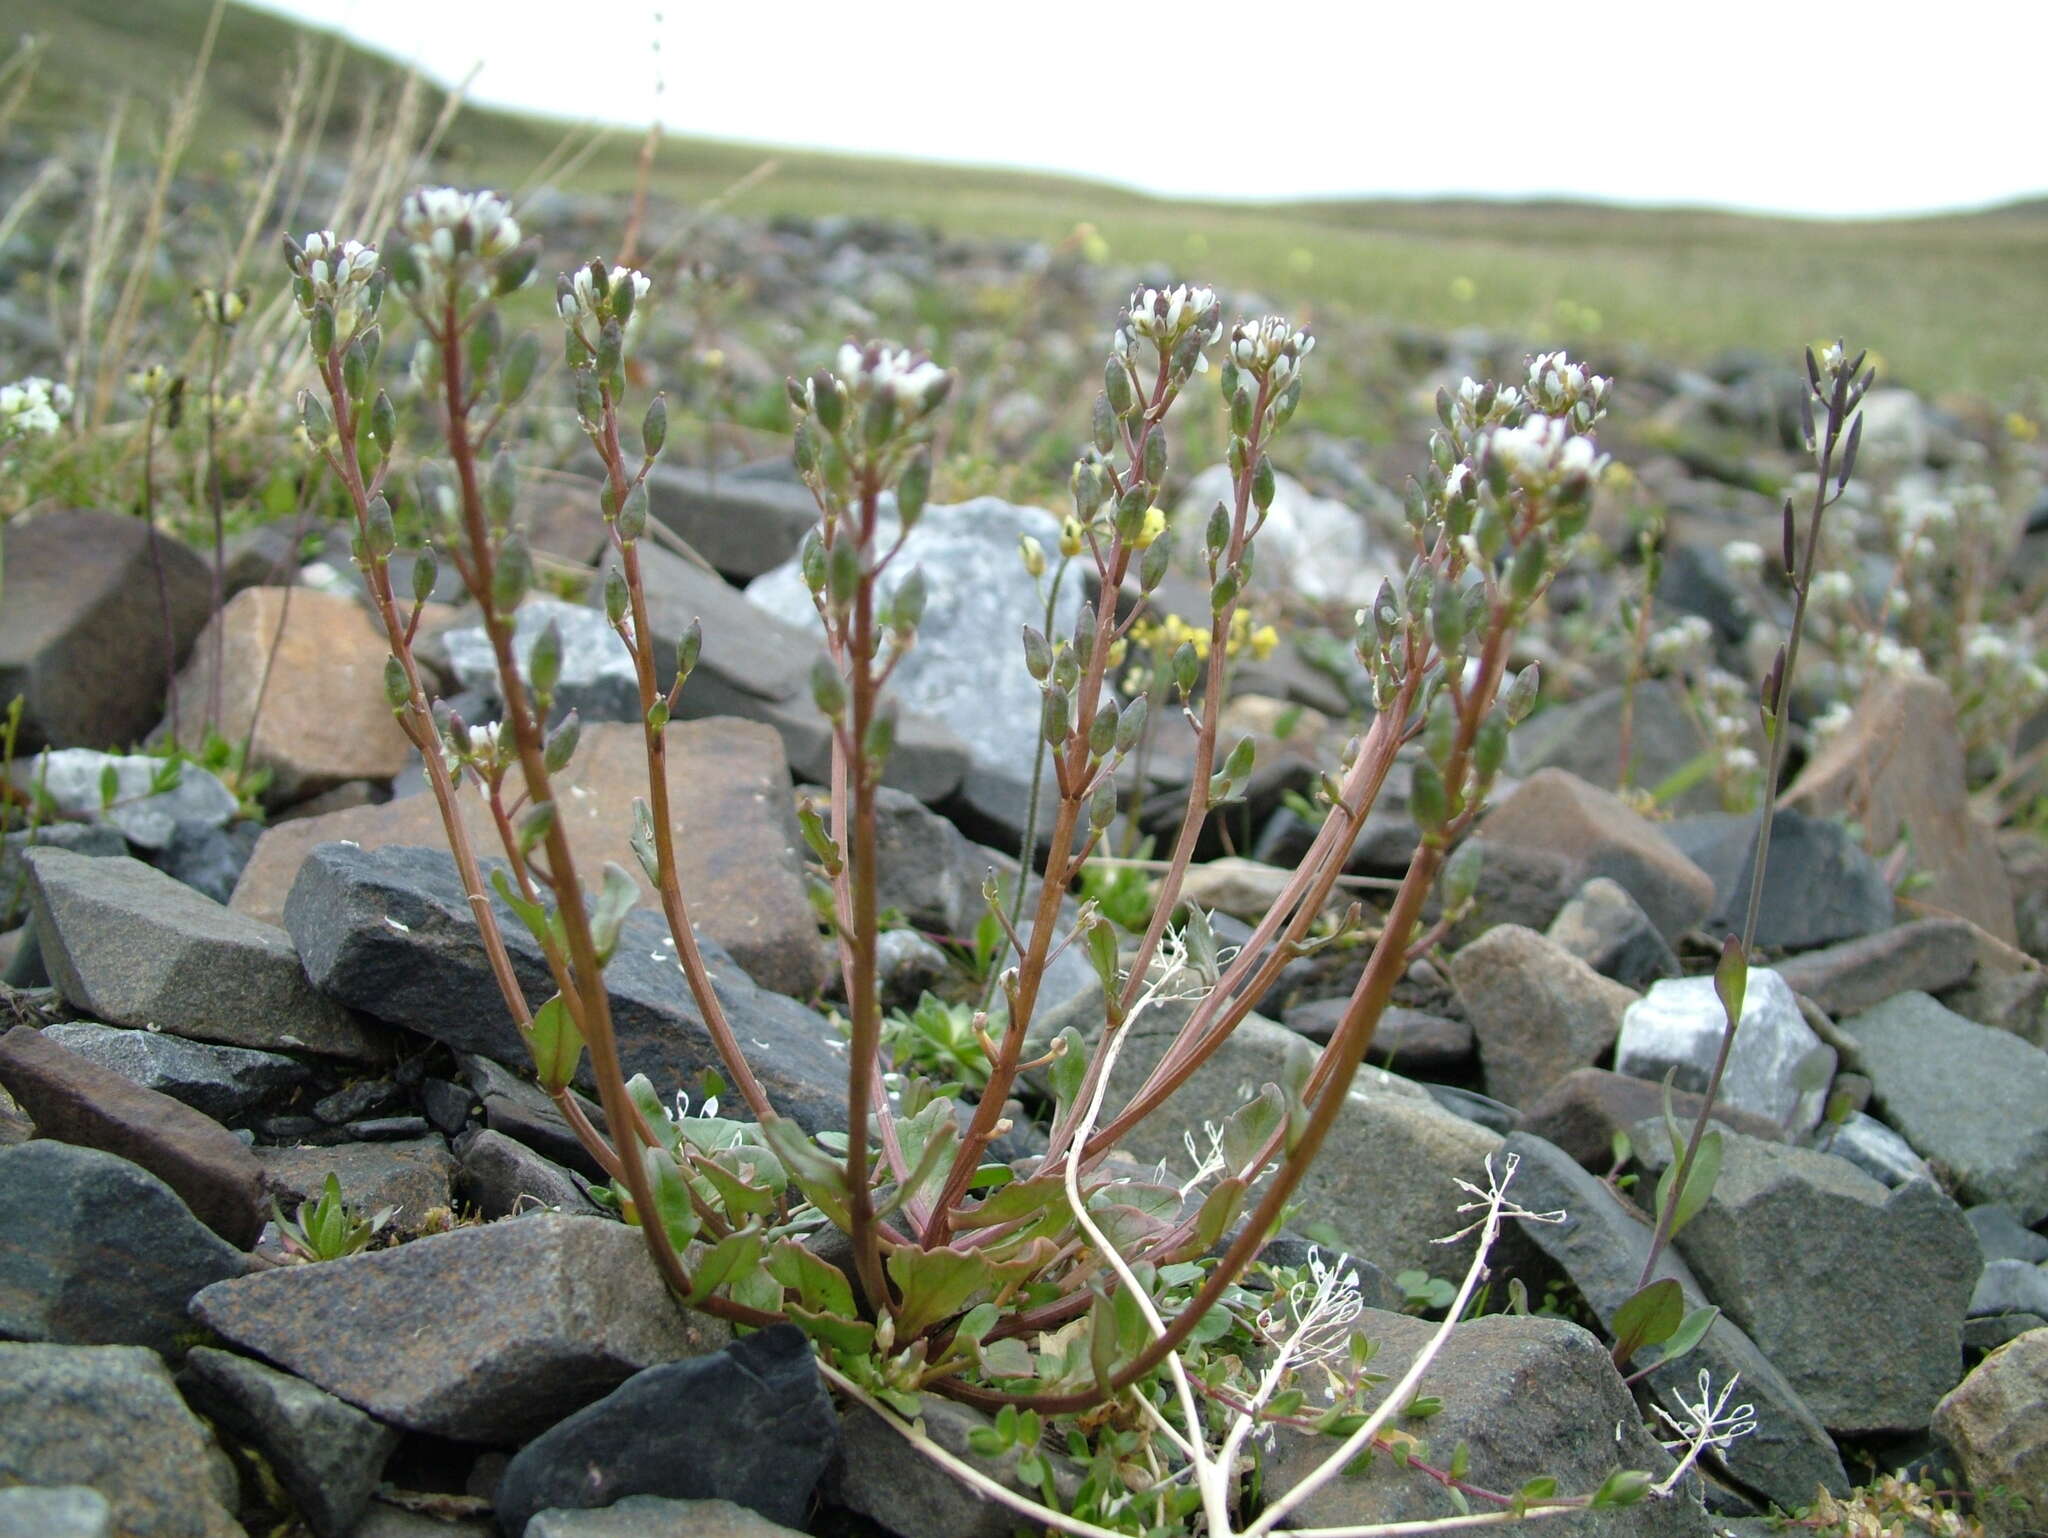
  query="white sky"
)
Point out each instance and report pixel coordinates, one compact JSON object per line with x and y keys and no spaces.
{"x":1720,"y":102}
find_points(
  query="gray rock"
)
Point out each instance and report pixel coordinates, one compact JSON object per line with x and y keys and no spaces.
{"x":99,"y":1251}
{"x":1926,"y":954}
{"x":2003,"y":1237}
{"x":389,"y":931}
{"x":2011,"y":1001}
{"x":1583,"y":737}
{"x":1996,"y":1420}
{"x":1517,"y":885}
{"x":207,"y":859}
{"x":1995,"y":1330}
{"x":1607,"y":929}
{"x":329,"y":1456}
{"x":532,"y":1321}
{"x":130,"y":946}
{"x":880,"y":1475}
{"x":1410,"y":1042}
{"x":1777,"y":1068}
{"x":907,"y":965}
{"x":1583,"y":1110}
{"x":2010,"y":1287}
{"x":110,"y":1419}
{"x":1537,"y":1010}
{"x":1314,"y":546}
{"x":650,"y":1516}
{"x":501,"y":1178}
{"x":415,"y":1176}
{"x":55,"y":1511}
{"x":1601,"y":1246}
{"x":92,"y":838}
{"x":522,"y":1111}
{"x":226,"y":1083}
{"x":742,"y":525}
{"x":1525,"y":1395}
{"x":1871,"y":1146}
{"x":1773,"y":1246}
{"x":1819,"y":887}
{"x":750,"y":1424}
{"x":1971,"y":1099}
{"x":598,"y":681}
{"x":967,"y":668}
{"x":74,"y":782}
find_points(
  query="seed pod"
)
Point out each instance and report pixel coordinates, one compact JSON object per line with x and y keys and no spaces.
{"x":1521,"y":695}
{"x":688,"y":646}
{"x":1238,"y":766}
{"x":878,"y":422}
{"x":1054,"y":717}
{"x":1102,"y":730}
{"x":654,"y":427}
{"x":426,"y":571}
{"x":1490,"y":746}
{"x":1241,"y":412}
{"x":842,"y":571}
{"x":633,"y":512}
{"x":1155,"y":460}
{"x":811,"y":561}
{"x":907,"y":607}
{"x":397,"y":687}
{"x":1037,"y":654}
{"x":1439,"y":730}
{"x":355,"y":370}
{"x":1284,"y":407}
{"x":881,"y":734}
{"x":618,"y":598}
{"x":1186,"y":667}
{"x":383,"y":422}
{"x":828,"y":400}
{"x":914,"y":487}
{"x":1447,"y":620}
{"x":1116,"y":388}
{"x":501,"y":488}
{"x":1084,"y":636}
{"x":828,"y":689}
{"x":1461,"y":874}
{"x":314,"y":418}
{"x":1153,"y":564}
{"x":1130,"y":725}
{"x":1428,"y":803}
{"x":1223,"y":593}
{"x":561,"y":744}
{"x":404,"y":268}
{"x":1102,"y":808}
{"x":380,"y":535}
{"x":512,"y":575}
{"x":1102,"y":426}
{"x":322,"y":329}
{"x":515,"y":267}
{"x":1264,"y":483}
{"x":589,"y":397}
{"x":1526,"y":571}
{"x":1066,"y":667}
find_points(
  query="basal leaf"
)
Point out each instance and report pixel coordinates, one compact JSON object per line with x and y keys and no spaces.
{"x":937,"y":1284}
{"x":818,"y":1284}
{"x":1649,"y":1318}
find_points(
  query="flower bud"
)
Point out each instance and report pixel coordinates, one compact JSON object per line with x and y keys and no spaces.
{"x":1032,"y":553}
{"x":828,"y":400}
{"x":1072,"y":538}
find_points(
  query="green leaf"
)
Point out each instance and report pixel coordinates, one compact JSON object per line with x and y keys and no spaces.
{"x":1007,"y":1204}
{"x":1688,"y":1334}
{"x":1008,"y":1358}
{"x":672,"y":1206}
{"x":621,"y":894}
{"x":849,"y":1337}
{"x":936,"y":1284}
{"x":978,"y":1321}
{"x":1731,"y":978}
{"x":535,"y":917}
{"x":1423,"y":1406}
{"x":556,"y":1044}
{"x":1649,"y":1318}
{"x":1542,"y":1488}
{"x":1070,"y":1067}
{"x":818,"y":1284}
{"x":641,"y":841}
{"x":734,"y":1256}
{"x":1250,"y":1125}
{"x":817,"y":1174}
{"x":1699,"y":1181}
{"x":1624,"y":1487}
{"x":1102,"y":953}
{"x":737,"y":1195}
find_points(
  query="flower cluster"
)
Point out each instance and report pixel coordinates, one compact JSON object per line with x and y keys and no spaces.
{"x":594,"y":292}
{"x":32,"y":408}
{"x":1270,"y":348}
{"x":1164,"y":316}
{"x":331,"y":271}
{"x":1559,"y":387}
{"x":457,"y":245}
{"x":1542,"y":453}
{"x":1473,"y":406}
{"x":913,"y":383}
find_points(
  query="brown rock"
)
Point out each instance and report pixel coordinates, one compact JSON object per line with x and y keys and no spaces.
{"x":82,"y":630}
{"x":75,"y":1101}
{"x":416,"y":1177}
{"x":1996,"y":1419}
{"x":308,"y":669}
{"x":1926,"y":955}
{"x":1537,"y":1010}
{"x":1582,"y":1111}
{"x":736,"y":844}
{"x":1560,"y":812}
{"x":1897,"y":769}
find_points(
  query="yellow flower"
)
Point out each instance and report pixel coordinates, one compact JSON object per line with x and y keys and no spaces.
{"x":1155,"y":525}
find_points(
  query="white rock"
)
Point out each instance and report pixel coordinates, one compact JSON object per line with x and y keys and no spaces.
{"x":1778,"y":1068}
{"x":74,"y":781}
{"x":1310,"y":545}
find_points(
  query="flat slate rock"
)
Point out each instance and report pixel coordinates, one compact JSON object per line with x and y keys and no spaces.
{"x":531,"y":1321}
{"x":1820,"y":886}
{"x":1925,"y":956}
{"x":109,"y":1418}
{"x":1537,"y":1010}
{"x":55,"y":1511}
{"x":99,"y":1251}
{"x":390,"y":932}
{"x":76,"y":1101}
{"x":225,"y":1083}
{"x":650,"y":1516}
{"x":415,"y":1175}
{"x":128,"y":945}
{"x":1778,"y":1067}
{"x":92,"y":838}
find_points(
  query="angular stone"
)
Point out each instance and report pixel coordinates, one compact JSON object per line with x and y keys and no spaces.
{"x":2016,"y":1002}
{"x":1559,"y":812}
{"x":109,"y":1418}
{"x":1997,"y":1421}
{"x":1537,"y":1010}
{"x":880,"y":1475}
{"x":92,"y":838}
{"x":1897,"y":770}
{"x":2010,"y":1287}
{"x":225,"y":1083}
{"x":2003,"y":1237}
{"x":1871,"y":1146}
{"x":1778,"y":1068}
{"x":1316,"y":546}
{"x":729,"y":801}
{"x":1406,"y":1041}
{"x":209,"y":860}
{"x":82,"y":633}
{"x":750,"y":1424}
{"x":532,"y":1320}
{"x":1820,"y":886}
{"x":416,"y":1176}
{"x":501,"y":1178}
{"x":1583,"y":737}
{"x":1242,"y":888}
{"x":1582,"y":1111}
{"x":99,"y":1251}
{"x":130,"y":946}
{"x":1926,"y":955}
{"x":146,"y":810}
{"x":742,"y":525}
{"x":328,"y":1455}
{"x":597,"y":678}
{"x":649,"y":1516}
{"x":1524,"y":1395}
{"x":390,"y":931}
{"x":78,"y":1102}
{"x":1601,"y":1245}
{"x":55,"y":1511}
{"x":1815,"y":1260}
{"x":1517,"y":885}
{"x":1607,"y":929}
{"x":306,"y":668}
{"x":1972,"y":1099}
{"x":522,"y":1111}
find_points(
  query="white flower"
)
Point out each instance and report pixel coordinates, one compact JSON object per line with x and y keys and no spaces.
{"x":1270,"y":346}
{"x":1832,"y":589}
{"x":1542,"y":450}
{"x":1739,"y":762}
{"x":1559,"y":387}
{"x":918,"y":384}
{"x":32,"y":408}
{"x":1745,"y":557}
{"x":579,"y":299}
{"x":454,"y":235}
{"x":1678,"y":642}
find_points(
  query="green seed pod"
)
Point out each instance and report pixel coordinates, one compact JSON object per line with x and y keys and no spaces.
{"x":1102,"y":730}
{"x":1521,"y":695}
{"x":1490,"y":746}
{"x":1284,"y":407}
{"x":1116,"y":387}
{"x":1153,"y":564}
{"x":611,"y":350}
{"x":828,"y":400}
{"x":1439,"y":730}
{"x":322,"y":328}
{"x":1415,"y":505}
{"x":1241,"y":405}
{"x":1447,"y":620}
{"x":633,"y":512}
{"x":1186,"y":668}
{"x":688,"y":647}
{"x":654,"y":427}
{"x":878,"y":422}
{"x":1444,"y":413}
{"x":1217,"y":536}
{"x":805,"y":451}
{"x":501,"y":488}
{"x":397,"y":687}
{"x":486,"y":340}
{"x":881,"y":735}
{"x":828,"y":689}
{"x":1526,"y":571}
{"x":811,"y":561}
{"x":1226,"y":379}
{"x":1264,"y":483}
{"x":313,"y":416}
{"x":1066,"y":667}
{"x":1037,"y":654}
{"x":1239,"y":764}
{"x":842,"y":571}
{"x":913,"y":488}
{"x":534,"y":826}
{"x":380,"y":535}
{"x":618,"y":598}
{"x":1102,"y":808}
{"x":426,"y":571}
{"x":623,"y":296}
{"x":383,"y":422}
{"x":589,"y":397}
{"x":907,"y":606}
{"x":522,"y":360}
{"x":1130,"y":724}
{"x":1131,"y":509}
{"x":516,"y":267}
{"x":355,"y":371}
{"x":1155,"y":460}
{"x":1476,"y":609}
{"x":1461,"y":874}
{"x":1102,"y":426}
{"x":512,"y":575}
{"x":576,"y":352}
{"x":1053,"y":717}
{"x":561,"y":744}
{"x":1442,"y":452}
{"x":1428,"y":803}
{"x":1084,"y":635}
{"x":544,"y":665}
{"x":1224,"y":593}
{"x":1186,"y":353}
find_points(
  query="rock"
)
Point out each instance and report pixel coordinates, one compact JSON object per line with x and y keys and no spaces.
{"x":1897,"y":770}
{"x":99,"y":1251}
{"x":1517,"y":885}
{"x":390,"y":932}
{"x":1310,"y":545}
{"x":649,"y":1516}
{"x":907,"y":965}
{"x":75,"y":1101}
{"x":1819,"y":887}
{"x":1607,"y":929}
{"x":1537,"y":1010}
{"x":1406,"y":1041}
{"x":1970,"y":1098}
{"x":1522,"y":1393}
{"x":736,"y":839}
{"x":305,"y":670}
{"x":1583,"y":737}
{"x":328,"y":1455}
{"x":382,"y":1521}
{"x":532,"y":1321}
{"x":751,"y":1424}
{"x":2002,"y":1236}
{"x":89,"y":838}
{"x":1785,"y":1229}
{"x":1242,"y":888}
{"x":55,"y":1511}
{"x":1871,"y":1146}
{"x":1996,"y":1420}
{"x":597,"y":680}
{"x":148,"y":804}
{"x":1927,"y":955}
{"x":130,"y":946}
{"x":110,"y":1419}
{"x":2016,"y":1002}
{"x":501,"y":1178}
{"x":225,"y":1083}
{"x":881,"y":1476}
{"x":1994,"y":1330}
{"x":1582,"y":1111}
{"x":1778,"y":1067}
{"x":207,"y":859}
{"x":523,"y":1112}
{"x":967,"y":668}
{"x":1558,"y":812}
{"x":1601,"y":1246}
{"x":83,"y":634}
{"x":742,"y":526}
{"x":2010,"y":1287}
{"x":415,"y":1176}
